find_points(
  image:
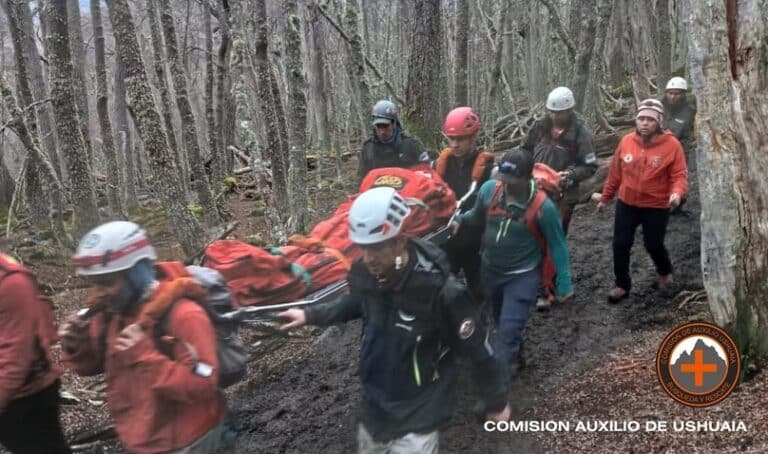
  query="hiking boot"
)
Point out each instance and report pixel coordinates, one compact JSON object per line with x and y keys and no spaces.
{"x":617,"y":294}
{"x":543,"y":304}
{"x":663,"y":284}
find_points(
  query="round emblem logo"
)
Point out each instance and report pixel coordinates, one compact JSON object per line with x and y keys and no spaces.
{"x":90,"y":241}
{"x":392,"y":181}
{"x":628,"y":158}
{"x":698,"y":364}
{"x":466,"y":329}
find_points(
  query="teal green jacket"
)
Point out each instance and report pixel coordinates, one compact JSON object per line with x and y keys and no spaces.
{"x":508,"y":244}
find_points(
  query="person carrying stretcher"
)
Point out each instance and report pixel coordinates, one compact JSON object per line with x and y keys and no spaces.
{"x":416,"y":316}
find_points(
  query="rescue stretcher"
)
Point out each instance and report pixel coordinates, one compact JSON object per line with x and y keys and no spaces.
{"x":267,"y":313}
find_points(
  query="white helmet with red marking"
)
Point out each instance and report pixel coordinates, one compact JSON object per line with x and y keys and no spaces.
{"x":111,"y":247}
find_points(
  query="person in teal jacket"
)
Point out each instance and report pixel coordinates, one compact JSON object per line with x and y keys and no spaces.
{"x":512,"y":257}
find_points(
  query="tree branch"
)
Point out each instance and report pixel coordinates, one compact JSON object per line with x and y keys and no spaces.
{"x":559,"y":27}
{"x":368,"y":62}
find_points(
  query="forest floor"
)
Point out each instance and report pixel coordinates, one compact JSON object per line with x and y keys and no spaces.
{"x":586,"y":360}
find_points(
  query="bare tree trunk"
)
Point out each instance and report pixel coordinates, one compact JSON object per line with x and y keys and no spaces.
{"x":124,"y":133}
{"x":52,"y":188}
{"x":728,"y":56}
{"x":297,"y":119}
{"x":536,"y":83}
{"x":142,"y":106}
{"x":423,"y":92}
{"x":460,"y":97}
{"x":357,"y":62}
{"x":7,"y":183}
{"x":318,"y":87}
{"x":46,"y":125}
{"x":222,"y":94}
{"x":67,"y":120}
{"x":581,"y":67}
{"x":210,"y":116}
{"x":592,"y":109}
{"x":494,"y":94}
{"x":634,"y":39}
{"x":165,"y":91}
{"x":33,"y":186}
{"x":265,"y":76}
{"x":189,"y":127}
{"x":114,"y":182}
{"x":77,"y":49}
{"x":664,"y":46}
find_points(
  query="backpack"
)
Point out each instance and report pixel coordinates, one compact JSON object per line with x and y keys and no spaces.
{"x":548,"y":180}
{"x":217,"y":301}
{"x":531,"y":214}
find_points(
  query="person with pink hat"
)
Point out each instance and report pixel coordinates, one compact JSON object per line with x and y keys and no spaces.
{"x":649,"y":175}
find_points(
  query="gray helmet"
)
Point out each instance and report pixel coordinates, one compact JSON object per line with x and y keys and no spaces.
{"x":383,"y":112}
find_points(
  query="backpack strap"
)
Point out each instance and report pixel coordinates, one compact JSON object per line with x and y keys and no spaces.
{"x":481,"y":163}
{"x":532,"y":214}
{"x":441,"y":164}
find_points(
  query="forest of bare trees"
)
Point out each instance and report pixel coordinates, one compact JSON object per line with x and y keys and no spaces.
{"x":107,"y":105}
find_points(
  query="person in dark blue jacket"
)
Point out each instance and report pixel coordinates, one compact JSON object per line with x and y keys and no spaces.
{"x":416,"y":316}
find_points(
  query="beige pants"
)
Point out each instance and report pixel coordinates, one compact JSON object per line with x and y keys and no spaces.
{"x":408,"y":444}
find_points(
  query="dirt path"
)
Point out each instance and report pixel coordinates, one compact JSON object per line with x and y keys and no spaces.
{"x":309,"y":404}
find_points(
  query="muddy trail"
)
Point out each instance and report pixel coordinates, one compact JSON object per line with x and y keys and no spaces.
{"x":308,"y":403}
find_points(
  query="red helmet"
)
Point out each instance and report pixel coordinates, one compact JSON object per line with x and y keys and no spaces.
{"x":461,"y":121}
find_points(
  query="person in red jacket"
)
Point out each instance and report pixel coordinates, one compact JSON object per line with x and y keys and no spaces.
{"x":649,"y":173}
{"x":162,"y":389}
{"x":29,"y":377}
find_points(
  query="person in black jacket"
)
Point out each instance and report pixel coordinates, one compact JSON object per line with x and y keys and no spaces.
{"x":562,"y":141}
{"x":389,"y":145}
{"x":415,"y":316}
{"x":461,"y":165}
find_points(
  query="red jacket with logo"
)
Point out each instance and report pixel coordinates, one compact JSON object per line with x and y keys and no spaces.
{"x":646,"y":174}
{"x":26,"y":334}
{"x":158,"y":402}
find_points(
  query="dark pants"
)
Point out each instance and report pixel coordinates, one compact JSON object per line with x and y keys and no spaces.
{"x":463,"y":252}
{"x":566,"y":213}
{"x":513,"y":296}
{"x":654,"y":222}
{"x":30,"y":425}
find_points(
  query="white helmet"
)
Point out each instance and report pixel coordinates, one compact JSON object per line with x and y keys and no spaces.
{"x":111,"y":247}
{"x":677,"y":83}
{"x":561,"y":98}
{"x":376,"y":215}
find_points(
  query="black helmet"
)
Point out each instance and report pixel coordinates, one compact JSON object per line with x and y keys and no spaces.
{"x":384,"y":112}
{"x":516,"y":165}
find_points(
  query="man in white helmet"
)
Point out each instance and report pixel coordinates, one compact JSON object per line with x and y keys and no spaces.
{"x":415,"y":316}
{"x":679,"y":114}
{"x":562,"y":141}
{"x":162,"y":391}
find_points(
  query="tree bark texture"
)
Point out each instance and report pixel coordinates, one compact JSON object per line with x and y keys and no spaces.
{"x":423,"y":92}
{"x":318,"y":88}
{"x":297,"y":119}
{"x":33,"y":185}
{"x":141,"y":104}
{"x":77,"y":47}
{"x":635,"y":39}
{"x":124,"y":134}
{"x":164,"y":90}
{"x":664,"y":46}
{"x":357,"y":62}
{"x":189,"y":127}
{"x":581,"y":67}
{"x":728,"y":56}
{"x":67,"y":119}
{"x":460,"y":97}
{"x":114,"y":180}
{"x":52,"y":189}
{"x":265,"y":77}
{"x":210,"y":115}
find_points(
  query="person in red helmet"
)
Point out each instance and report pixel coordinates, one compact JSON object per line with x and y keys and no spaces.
{"x":463,"y":164}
